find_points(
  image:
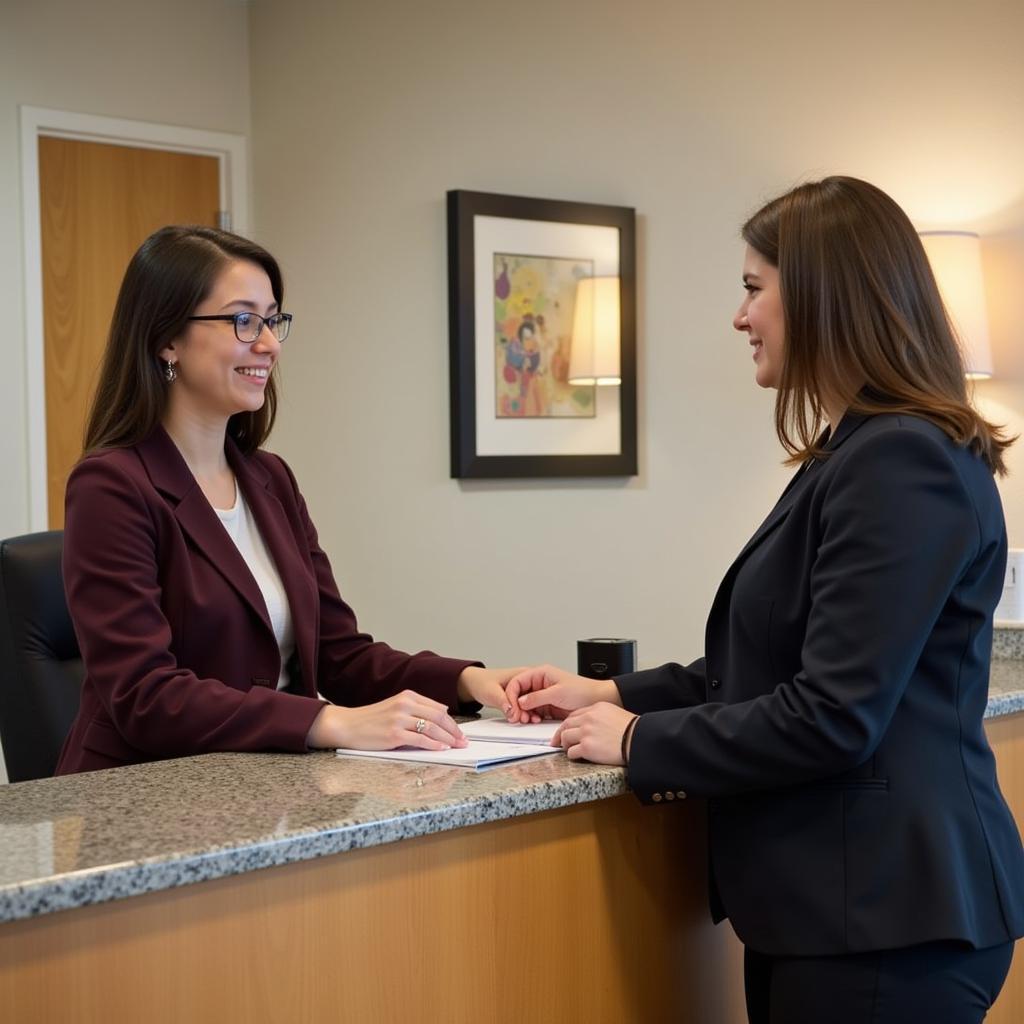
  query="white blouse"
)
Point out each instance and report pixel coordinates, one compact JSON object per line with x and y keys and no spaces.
{"x":242,"y":529}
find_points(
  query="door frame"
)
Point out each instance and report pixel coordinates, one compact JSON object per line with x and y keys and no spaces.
{"x":231,"y":152}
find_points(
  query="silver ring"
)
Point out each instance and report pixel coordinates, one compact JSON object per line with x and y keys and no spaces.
{"x":421,"y":724}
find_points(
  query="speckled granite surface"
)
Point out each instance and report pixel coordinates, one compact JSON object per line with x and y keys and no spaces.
{"x":1005,"y":687}
{"x":101,"y":836}
{"x":1008,"y":642}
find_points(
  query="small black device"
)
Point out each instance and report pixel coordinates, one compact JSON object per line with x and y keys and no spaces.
{"x":604,"y":657}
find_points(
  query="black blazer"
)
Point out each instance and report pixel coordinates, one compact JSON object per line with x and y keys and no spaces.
{"x":835,"y":722}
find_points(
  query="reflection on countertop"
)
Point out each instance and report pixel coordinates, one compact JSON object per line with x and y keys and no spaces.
{"x":105,"y":835}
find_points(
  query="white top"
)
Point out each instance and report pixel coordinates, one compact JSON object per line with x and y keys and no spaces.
{"x":242,"y":529}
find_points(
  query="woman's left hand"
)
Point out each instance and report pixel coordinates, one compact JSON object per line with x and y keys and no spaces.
{"x":486,"y":686}
{"x":594,"y":733}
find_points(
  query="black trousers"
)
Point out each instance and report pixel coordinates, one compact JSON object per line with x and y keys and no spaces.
{"x":945,"y":982}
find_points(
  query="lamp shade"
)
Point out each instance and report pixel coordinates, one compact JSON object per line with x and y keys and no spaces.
{"x":594,"y":358}
{"x":955,"y":257}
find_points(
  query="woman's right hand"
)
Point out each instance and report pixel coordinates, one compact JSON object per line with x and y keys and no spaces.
{"x":549,"y":692}
{"x":387,"y":724}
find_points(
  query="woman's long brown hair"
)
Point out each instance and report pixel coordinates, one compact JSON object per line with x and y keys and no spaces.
{"x":172,"y":272}
{"x":865,"y":327}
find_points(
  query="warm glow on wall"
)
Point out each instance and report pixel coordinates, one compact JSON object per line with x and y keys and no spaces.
{"x":955,"y":257}
{"x":595,"y":332}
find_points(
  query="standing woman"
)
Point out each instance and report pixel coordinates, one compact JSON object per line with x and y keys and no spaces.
{"x":859,"y":842}
{"x":207,"y":614}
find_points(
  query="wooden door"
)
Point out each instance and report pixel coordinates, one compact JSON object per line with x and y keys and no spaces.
{"x":97,"y":204}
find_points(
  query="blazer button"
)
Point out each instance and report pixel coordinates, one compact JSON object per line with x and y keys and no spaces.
{"x":681,"y":794}
{"x":670,"y":795}
{"x":656,"y":798}
{"x":258,"y":681}
{"x":716,"y":683}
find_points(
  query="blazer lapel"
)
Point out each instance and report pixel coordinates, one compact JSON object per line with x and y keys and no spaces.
{"x":279,"y":537}
{"x":849,"y":423}
{"x":781,"y":509}
{"x":172,"y":477}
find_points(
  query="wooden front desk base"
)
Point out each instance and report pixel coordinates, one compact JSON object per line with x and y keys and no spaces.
{"x":1006,"y":735}
{"x":591,"y":913}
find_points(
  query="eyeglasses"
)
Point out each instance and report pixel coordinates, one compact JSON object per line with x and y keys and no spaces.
{"x":249,"y":326}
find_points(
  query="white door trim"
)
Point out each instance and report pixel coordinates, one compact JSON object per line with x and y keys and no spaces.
{"x":232,"y":153}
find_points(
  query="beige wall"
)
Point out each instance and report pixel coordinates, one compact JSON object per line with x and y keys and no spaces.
{"x":181,"y":63}
{"x":692,"y":113}
{"x":363,"y":115}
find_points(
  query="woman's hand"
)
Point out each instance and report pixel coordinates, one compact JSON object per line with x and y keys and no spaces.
{"x":594,"y":734}
{"x":549,"y":692}
{"x":486,"y":686}
{"x":390,"y":723}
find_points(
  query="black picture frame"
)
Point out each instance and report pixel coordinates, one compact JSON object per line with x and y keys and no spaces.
{"x":464,"y":283}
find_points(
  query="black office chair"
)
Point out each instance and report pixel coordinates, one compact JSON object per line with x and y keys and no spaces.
{"x":40,"y":665}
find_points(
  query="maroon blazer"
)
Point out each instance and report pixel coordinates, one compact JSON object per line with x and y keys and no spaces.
{"x":180,"y":657}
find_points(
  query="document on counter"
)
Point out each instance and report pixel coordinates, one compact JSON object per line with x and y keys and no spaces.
{"x":497,"y":730}
{"x":477,"y":756}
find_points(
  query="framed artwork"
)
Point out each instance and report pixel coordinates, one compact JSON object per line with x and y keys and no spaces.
{"x":542,"y":335}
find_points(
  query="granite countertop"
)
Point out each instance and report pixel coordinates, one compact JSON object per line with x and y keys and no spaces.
{"x":101,"y":836}
{"x":1006,"y":683}
{"x":82,"y":839}
{"x":1005,"y":687}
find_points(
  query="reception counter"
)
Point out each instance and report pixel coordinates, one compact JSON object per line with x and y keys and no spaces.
{"x":392,"y":891}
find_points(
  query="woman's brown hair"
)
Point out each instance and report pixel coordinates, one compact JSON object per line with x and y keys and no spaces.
{"x":172,"y":272}
{"x":865,"y":327}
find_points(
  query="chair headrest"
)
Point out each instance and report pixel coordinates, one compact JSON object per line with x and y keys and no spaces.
{"x":33,"y":595}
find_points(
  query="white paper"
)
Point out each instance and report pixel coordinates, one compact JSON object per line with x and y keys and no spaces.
{"x":477,"y":755}
{"x":497,"y":730}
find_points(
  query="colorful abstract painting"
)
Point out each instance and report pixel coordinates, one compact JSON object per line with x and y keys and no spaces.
{"x":533,"y":313}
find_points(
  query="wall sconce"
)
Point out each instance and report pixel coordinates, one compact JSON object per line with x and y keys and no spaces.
{"x":594,"y":358}
{"x":955,"y":257}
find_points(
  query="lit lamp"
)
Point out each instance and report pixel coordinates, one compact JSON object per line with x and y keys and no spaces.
{"x":594,"y":358}
{"x":955,"y":257}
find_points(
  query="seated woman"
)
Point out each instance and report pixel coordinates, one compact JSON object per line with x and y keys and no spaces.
{"x":206,"y":612}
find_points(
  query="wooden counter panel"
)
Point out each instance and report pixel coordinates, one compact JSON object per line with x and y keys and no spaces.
{"x":1006,"y":734}
{"x":595,"y":913}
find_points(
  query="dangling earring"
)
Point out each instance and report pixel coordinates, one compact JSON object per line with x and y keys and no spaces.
{"x":170,"y":372}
